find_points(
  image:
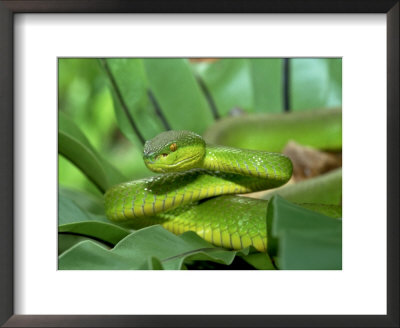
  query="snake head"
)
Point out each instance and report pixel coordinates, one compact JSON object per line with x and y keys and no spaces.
{"x":174,"y":151}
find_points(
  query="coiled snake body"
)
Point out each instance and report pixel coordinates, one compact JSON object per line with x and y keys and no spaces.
{"x":196,"y":171}
{"x":183,"y":197}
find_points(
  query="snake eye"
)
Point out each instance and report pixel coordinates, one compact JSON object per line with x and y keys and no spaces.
{"x":173,"y":147}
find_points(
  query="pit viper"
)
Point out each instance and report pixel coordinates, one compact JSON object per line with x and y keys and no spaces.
{"x":198,"y":180}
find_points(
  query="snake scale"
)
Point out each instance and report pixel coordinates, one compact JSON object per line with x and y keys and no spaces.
{"x":194,"y":172}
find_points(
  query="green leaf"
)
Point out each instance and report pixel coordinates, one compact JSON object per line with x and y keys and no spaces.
{"x":229,"y":83}
{"x":252,"y":84}
{"x":260,"y":261}
{"x":155,"y":264}
{"x":66,"y":241}
{"x":69,"y":212}
{"x":129,"y":85}
{"x":333,"y":211}
{"x":267,"y":84}
{"x":142,"y":249}
{"x":323,"y":189}
{"x":303,"y":239}
{"x":72,"y":219}
{"x":87,"y":202}
{"x":310,"y":250}
{"x":178,"y":94}
{"x":74,"y":146}
{"x":315,"y":83}
{"x":82,"y":252}
{"x":106,"y":232}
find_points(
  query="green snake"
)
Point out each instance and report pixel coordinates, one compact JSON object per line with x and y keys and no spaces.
{"x":183,"y":198}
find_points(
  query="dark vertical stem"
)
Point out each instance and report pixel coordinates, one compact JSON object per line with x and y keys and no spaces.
{"x":158,"y":110}
{"x":208,"y":96}
{"x":121,"y":100}
{"x":286,"y":83}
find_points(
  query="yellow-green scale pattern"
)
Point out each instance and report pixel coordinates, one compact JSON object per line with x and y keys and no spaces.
{"x":228,"y":221}
{"x":223,"y":221}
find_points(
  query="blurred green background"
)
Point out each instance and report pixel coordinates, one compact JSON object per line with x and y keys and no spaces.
{"x":179,"y":94}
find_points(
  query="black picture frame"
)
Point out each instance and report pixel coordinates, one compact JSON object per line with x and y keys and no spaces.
{"x":7,"y":11}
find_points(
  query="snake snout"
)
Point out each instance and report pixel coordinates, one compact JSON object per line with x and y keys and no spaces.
{"x":148,"y":157}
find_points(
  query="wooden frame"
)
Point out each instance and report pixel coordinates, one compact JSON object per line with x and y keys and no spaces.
{"x":7,"y":11}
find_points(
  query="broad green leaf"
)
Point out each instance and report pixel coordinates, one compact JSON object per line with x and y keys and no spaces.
{"x":260,"y":261}
{"x":313,"y":239}
{"x":70,"y":176}
{"x":129,"y":86}
{"x":90,"y":256}
{"x":72,"y":219}
{"x":74,"y":146}
{"x":310,"y":250}
{"x":85,"y":251}
{"x":66,"y":241}
{"x":155,"y":264}
{"x":267,"y":84}
{"x":229,"y":82}
{"x":106,"y":232}
{"x":69,"y":212}
{"x":140,"y":248}
{"x":178,"y":94}
{"x":331,"y":210}
{"x":315,"y":83}
{"x":256,"y":84}
{"x":87,"y":202}
{"x":323,"y":189}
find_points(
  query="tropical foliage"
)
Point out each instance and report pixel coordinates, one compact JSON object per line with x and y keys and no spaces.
{"x":109,"y":107}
